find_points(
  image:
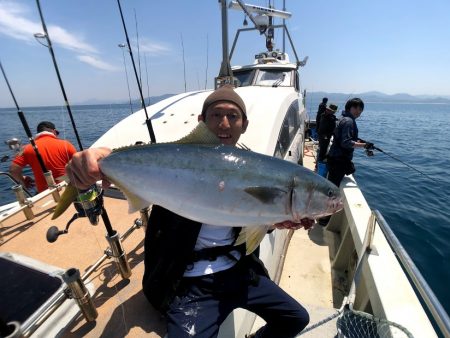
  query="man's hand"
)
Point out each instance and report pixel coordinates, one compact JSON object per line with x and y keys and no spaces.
{"x":368,"y":146}
{"x":83,"y":170}
{"x":305,"y":223}
{"x":28,"y":182}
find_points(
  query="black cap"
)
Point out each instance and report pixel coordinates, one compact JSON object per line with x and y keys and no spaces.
{"x":225,"y":93}
{"x":44,"y":125}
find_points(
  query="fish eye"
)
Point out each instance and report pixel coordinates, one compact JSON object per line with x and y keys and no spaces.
{"x":330,"y":193}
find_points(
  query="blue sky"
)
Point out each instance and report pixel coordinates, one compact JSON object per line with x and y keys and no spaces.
{"x":353,"y":46}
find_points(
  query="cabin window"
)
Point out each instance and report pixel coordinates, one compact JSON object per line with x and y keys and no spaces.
{"x":245,"y":77}
{"x":289,"y":128}
{"x":273,"y":78}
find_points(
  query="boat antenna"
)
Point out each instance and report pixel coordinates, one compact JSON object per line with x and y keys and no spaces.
{"x":25,"y":124}
{"x":225,"y":74}
{"x":61,"y":85}
{"x":207,"y":60}
{"x":147,"y":121}
{"x":122,"y":46}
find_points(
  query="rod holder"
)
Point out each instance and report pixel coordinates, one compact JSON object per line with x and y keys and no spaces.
{"x":14,"y":330}
{"x":52,"y":185}
{"x":20,"y":195}
{"x":119,"y":255}
{"x":144,"y":218}
{"x":80,"y":293}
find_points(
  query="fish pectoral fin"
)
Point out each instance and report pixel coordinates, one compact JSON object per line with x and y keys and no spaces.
{"x":266,"y":195}
{"x":69,"y":195}
{"x":199,"y":135}
{"x":252,"y":237}
{"x":135,"y":202}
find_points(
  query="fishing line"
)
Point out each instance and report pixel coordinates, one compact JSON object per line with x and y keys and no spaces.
{"x":406,"y":164}
{"x":207,"y":60}
{"x":122,"y":46}
{"x":25,"y":124}
{"x":184,"y":63}
{"x":50,"y":48}
{"x":138,"y":50}
{"x":147,"y":121}
{"x":146,"y":73}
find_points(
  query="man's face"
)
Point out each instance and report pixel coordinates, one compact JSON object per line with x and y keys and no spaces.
{"x":356,"y":112}
{"x":225,"y":120}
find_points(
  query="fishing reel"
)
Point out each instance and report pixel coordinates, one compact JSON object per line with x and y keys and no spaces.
{"x":369,"y":148}
{"x":89,"y":204}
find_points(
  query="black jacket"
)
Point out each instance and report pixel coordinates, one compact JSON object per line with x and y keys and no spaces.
{"x":320,"y":112}
{"x":327,"y":125}
{"x":169,"y":244}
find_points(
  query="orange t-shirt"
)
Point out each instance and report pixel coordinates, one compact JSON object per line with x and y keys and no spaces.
{"x":54,"y":152}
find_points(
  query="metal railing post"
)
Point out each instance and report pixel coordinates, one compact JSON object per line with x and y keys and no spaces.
{"x":23,"y":201}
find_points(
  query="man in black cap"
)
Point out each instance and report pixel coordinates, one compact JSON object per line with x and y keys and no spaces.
{"x":54,"y":152}
{"x":193,"y":272}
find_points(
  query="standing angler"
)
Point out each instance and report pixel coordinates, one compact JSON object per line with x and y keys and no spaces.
{"x":193,"y":272}
{"x":345,"y":141}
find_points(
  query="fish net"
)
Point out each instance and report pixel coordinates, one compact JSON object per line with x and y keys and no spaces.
{"x":356,"y":324}
{"x":351,"y":323}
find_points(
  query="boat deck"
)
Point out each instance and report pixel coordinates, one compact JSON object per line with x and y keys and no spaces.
{"x":122,"y":308}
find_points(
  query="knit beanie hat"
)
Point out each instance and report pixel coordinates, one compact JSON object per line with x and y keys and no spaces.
{"x":225,"y":93}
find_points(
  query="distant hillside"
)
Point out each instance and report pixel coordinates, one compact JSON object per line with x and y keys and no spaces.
{"x":151,"y":99}
{"x":375,"y":96}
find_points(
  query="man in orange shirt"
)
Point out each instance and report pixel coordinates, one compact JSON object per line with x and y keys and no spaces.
{"x":54,"y":152}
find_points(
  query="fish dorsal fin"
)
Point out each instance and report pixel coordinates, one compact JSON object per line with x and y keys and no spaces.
{"x":199,"y":135}
{"x":266,"y":195}
{"x":252,"y":237}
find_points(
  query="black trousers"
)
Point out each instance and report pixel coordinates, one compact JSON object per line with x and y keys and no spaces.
{"x":324,"y":141}
{"x":338,"y":168}
{"x":206,"y":301}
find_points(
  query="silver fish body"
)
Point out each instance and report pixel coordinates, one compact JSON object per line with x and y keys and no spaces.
{"x":220,"y":185}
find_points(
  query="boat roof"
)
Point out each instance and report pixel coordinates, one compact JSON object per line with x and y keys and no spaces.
{"x":176,"y":116}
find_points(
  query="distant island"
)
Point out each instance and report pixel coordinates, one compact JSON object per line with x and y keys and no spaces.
{"x":372,"y":96}
{"x":375,"y":96}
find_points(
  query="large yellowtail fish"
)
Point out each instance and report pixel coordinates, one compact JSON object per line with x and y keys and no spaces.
{"x":202,"y":180}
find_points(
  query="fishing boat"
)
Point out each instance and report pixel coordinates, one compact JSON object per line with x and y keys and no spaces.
{"x":353,"y":275}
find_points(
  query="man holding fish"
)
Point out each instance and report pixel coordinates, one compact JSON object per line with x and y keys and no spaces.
{"x":199,"y":260}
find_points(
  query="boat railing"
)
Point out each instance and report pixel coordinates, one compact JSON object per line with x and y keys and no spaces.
{"x":25,"y":205}
{"x":14,"y":181}
{"x":437,"y":311}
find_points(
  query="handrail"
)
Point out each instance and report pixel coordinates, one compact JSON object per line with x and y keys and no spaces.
{"x":15,"y":182}
{"x":437,"y":311}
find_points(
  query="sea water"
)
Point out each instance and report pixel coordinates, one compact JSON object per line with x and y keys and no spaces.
{"x":415,"y":206}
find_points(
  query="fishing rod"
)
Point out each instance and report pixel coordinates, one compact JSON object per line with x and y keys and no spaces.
{"x":25,"y":125}
{"x":147,"y":121}
{"x":61,"y":85}
{"x":371,"y":147}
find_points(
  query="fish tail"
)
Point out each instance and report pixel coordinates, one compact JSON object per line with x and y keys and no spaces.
{"x":69,"y":195}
